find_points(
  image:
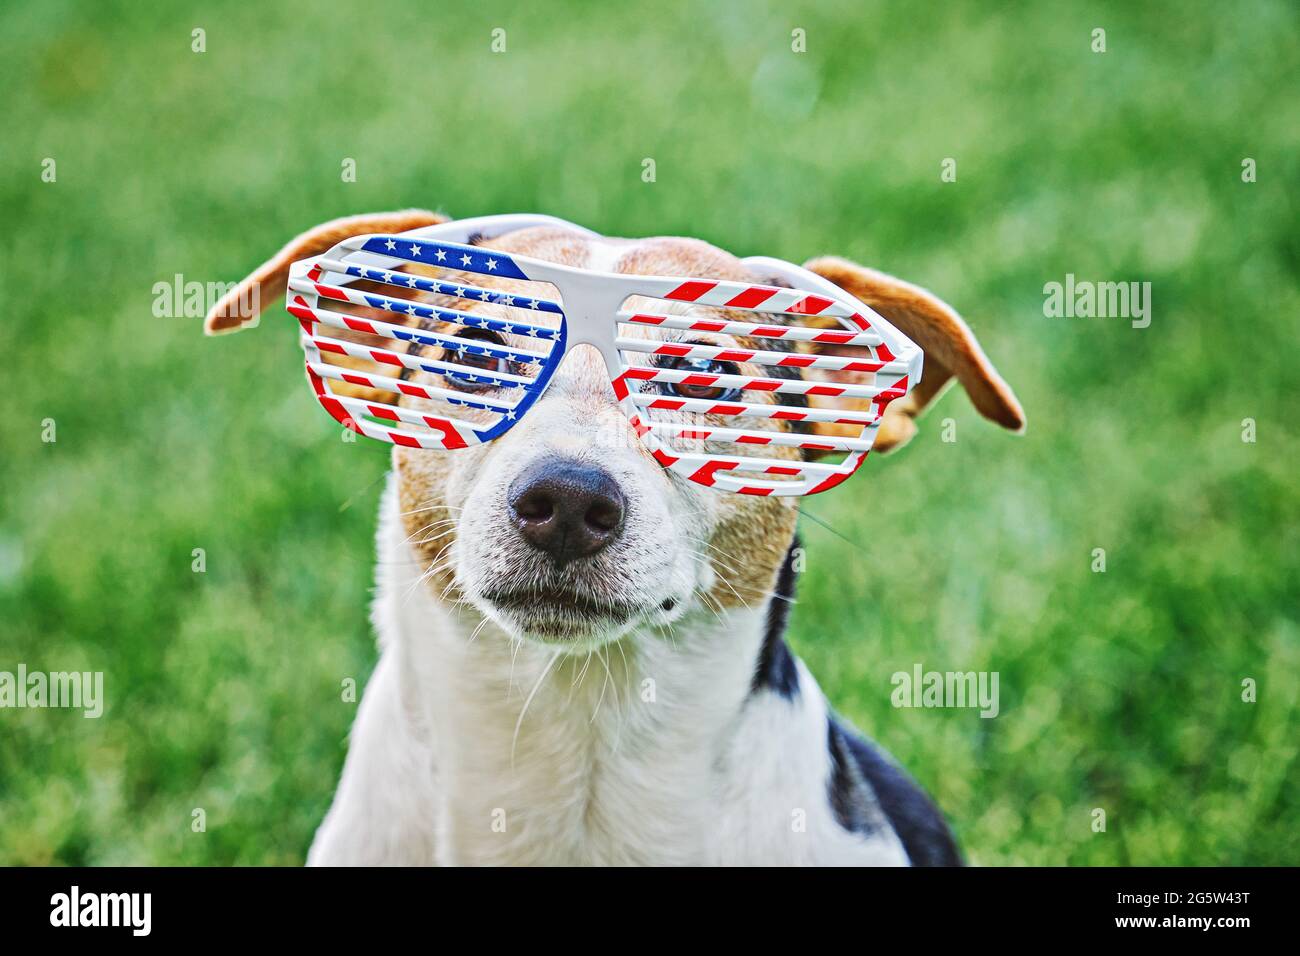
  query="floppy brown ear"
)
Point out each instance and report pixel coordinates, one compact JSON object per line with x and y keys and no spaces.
{"x":269,"y":279}
{"x":949,"y":345}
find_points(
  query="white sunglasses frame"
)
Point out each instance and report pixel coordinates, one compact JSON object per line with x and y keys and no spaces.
{"x":590,"y":313}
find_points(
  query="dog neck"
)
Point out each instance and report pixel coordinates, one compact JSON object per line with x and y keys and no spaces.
{"x":607,"y":754}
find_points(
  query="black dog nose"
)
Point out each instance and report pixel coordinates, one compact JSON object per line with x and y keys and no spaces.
{"x":567,"y":509}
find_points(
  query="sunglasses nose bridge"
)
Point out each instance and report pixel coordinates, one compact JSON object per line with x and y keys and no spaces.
{"x":590,"y":311}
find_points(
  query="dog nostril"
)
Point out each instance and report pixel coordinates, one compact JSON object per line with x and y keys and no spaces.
{"x":534,"y":507}
{"x":604,"y":516}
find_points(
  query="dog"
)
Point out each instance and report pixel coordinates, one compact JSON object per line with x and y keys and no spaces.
{"x":582,"y":658}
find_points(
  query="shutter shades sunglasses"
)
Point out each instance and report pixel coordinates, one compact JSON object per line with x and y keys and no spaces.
{"x":793,"y":412}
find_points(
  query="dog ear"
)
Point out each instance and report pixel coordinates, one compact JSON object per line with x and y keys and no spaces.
{"x":949,"y":346}
{"x":269,"y":279}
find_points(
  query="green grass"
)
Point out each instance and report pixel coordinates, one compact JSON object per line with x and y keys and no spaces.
{"x":1119,"y":690}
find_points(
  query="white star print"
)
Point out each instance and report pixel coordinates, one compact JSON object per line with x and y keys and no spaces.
{"x":415,"y":250}
{"x":389,"y":244}
{"x":491,"y":264}
{"x":466,"y":260}
{"x":442,"y":255}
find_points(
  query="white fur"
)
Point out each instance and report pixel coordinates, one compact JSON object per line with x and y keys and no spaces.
{"x":446,"y":766}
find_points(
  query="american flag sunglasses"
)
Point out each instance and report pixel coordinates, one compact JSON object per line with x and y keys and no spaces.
{"x":793,"y":412}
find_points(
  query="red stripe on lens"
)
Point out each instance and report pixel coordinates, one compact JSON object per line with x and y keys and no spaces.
{"x":450,"y":437}
{"x":809,"y":305}
{"x":751,"y":297}
{"x":663,"y":457}
{"x":299,"y":308}
{"x":690,"y":291}
{"x":704,"y":474}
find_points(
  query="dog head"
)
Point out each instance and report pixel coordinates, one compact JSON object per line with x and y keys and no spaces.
{"x":565,"y":529}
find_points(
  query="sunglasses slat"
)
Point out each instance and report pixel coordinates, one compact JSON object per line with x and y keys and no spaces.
{"x":421,"y":310}
{"x":458,"y":290}
{"x":742,"y":437}
{"x":694,"y":350}
{"x":397,"y":413}
{"x":771,"y":300}
{"x":406,"y":333}
{"x":769,"y":466}
{"x":417,"y":364}
{"x":758,"y":383}
{"x":792,"y":413}
{"x":442,"y":255}
{"x":789,"y":333}
{"x":384,"y":383}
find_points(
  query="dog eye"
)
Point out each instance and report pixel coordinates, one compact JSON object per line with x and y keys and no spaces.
{"x":472,"y":360}
{"x":701,"y":389}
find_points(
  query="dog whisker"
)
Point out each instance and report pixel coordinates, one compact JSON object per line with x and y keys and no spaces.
{"x":608,"y":678}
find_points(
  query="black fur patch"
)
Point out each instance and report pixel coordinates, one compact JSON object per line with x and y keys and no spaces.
{"x":917,"y":821}
{"x":776,"y":669}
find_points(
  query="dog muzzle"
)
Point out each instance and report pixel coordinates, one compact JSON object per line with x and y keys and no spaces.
{"x":423,"y":340}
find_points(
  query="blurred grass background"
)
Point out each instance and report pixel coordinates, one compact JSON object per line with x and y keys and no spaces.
{"x":1119,"y":690}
